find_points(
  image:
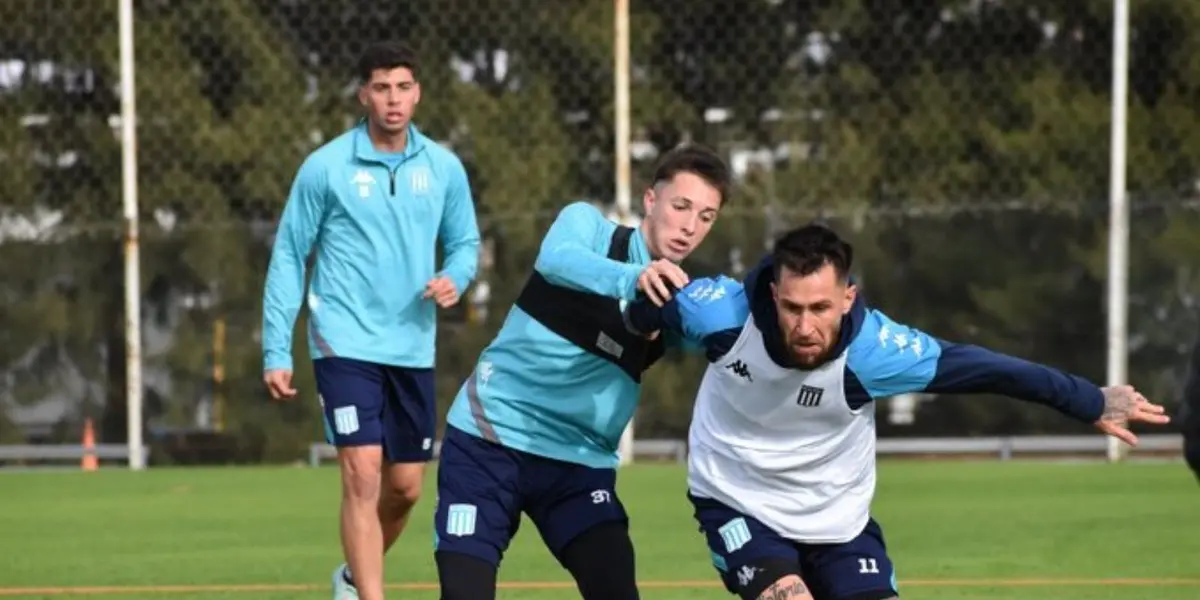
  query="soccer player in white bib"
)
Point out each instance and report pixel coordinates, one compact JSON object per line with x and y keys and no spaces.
{"x":781,"y":469}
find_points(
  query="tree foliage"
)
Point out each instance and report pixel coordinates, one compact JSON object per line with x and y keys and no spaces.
{"x":963,"y":146}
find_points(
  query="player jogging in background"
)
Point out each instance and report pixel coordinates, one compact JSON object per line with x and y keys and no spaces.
{"x":535,"y":428}
{"x":373,"y":203}
{"x":1189,"y":412}
{"x":781,"y":465}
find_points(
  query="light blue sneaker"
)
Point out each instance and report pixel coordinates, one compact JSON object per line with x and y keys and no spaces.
{"x":342,"y":589}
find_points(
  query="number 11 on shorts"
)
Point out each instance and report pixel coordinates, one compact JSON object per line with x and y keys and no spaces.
{"x":867,"y":566}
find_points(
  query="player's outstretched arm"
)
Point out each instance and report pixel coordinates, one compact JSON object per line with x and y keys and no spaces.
{"x":709,"y":312}
{"x":284,"y":288}
{"x":569,"y":258}
{"x":889,"y":359}
{"x":459,"y":232}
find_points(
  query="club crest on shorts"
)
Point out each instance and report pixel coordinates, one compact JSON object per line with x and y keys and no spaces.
{"x":735,"y":534}
{"x":345,"y":420}
{"x":460,"y":519}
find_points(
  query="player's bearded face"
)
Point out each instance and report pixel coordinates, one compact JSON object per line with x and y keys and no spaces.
{"x":390,"y":98}
{"x":679,"y":214}
{"x":810,"y":310}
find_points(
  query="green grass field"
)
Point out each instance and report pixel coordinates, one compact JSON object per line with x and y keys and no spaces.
{"x":960,"y":530}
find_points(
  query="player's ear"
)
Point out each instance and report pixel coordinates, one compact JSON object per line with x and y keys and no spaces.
{"x":851,"y":294}
{"x":648,"y":201}
{"x":362,"y":95}
{"x":774,"y":292}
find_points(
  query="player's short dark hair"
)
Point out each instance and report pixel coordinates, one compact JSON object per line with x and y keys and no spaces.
{"x":386,"y":55}
{"x":698,"y":160}
{"x":807,"y":249}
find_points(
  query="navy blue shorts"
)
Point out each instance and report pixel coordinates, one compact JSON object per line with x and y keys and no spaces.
{"x":742,"y":547}
{"x":369,"y":404}
{"x":483,"y":488}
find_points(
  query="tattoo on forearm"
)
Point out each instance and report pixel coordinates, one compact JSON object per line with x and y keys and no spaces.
{"x":784,"y":591}
{"x":1117,"y":406}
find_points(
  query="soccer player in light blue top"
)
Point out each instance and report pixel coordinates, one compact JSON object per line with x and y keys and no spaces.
{"x":536,"y":426}
{"x":781,"y":463}
{"x":373,"y":203}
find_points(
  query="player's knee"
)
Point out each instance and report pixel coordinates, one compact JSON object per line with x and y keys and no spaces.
{"x":463,"y":577}
{"x":788,"y":587}
{"x":402,"y":488}
{"x":401,"y":497}
{"x":602,"y":562}
{"x":361,"y":472}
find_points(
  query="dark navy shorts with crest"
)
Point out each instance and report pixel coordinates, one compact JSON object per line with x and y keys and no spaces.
{"x":747,"y":553}
{"x":484,"y":487}
{"x":369,"y":404}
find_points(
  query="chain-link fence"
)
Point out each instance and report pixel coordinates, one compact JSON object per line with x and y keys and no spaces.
{"x":962,"y":145}
{"x":965,"y":147}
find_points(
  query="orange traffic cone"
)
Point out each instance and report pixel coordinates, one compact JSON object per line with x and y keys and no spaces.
{"x":89,"y":462}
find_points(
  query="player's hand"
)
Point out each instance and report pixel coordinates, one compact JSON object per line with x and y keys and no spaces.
{"x":1124,"y":405}
{"x":279,"y":383}
{"x":442,"y":291}
{"x":655,"y":277}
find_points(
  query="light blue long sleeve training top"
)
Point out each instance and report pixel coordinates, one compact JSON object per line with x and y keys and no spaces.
{"x":374,"y":219}
{"x":536,"y":392}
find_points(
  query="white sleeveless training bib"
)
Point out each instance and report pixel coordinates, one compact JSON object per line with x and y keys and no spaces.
{"x":782,"y":445}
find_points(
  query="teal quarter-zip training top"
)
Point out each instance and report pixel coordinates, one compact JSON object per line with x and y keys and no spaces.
{"x":374,"y":220}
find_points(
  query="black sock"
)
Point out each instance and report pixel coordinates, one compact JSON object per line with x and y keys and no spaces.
{"x":602,"y":561}
{"x":464,"y":577}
